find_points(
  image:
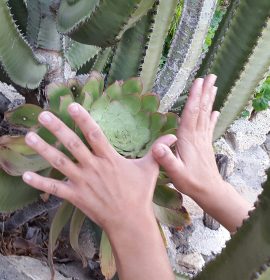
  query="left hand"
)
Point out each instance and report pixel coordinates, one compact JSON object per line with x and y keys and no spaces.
{"x":107,"y":187}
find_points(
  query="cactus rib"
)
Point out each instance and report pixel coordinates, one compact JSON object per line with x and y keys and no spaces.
{"x":185,"y":51}
{"x":243,"y":89}
{"x":218,"y":38}
{"x":162,"y":20}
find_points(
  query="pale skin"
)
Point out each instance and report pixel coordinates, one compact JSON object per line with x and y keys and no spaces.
{"x":116,"y":193}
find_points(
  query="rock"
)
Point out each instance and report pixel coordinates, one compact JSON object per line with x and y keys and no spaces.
{"x":191,"y":263}
{"x":210,"y":222}
{"x":25,"y":268}
{"x":87,"y":244}
{"x":193,"y":208}
{"x":8,"y":272}
{"x":266,"y":144}
{"x":11,"y":94}
{"x":74,"y":271}
{"x":4,"y":103}
{"x":250,"y":166}
{"x":244,"y":134}
{"x":241,"y":186}
{"x":206,"y":241}
{"x":224,"y":148}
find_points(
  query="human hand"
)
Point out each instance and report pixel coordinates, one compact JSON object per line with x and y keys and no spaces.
{"x":107,"y":187}
{"x":193,"y":167}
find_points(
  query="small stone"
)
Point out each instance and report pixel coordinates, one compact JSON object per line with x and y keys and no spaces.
{"x":191,"y":263}
{"x":244,"y":134}
{"x":27,"y":268}
{"x":4,"y":103}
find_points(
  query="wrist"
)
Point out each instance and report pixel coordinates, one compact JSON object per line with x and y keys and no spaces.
{"x":225,"y":204}
{"x":129,"y":221}
{"x":138,"y":242}
{"x":214,"y":186}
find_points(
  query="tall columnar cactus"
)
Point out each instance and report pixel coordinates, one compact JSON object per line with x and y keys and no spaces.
{"x":124,"y":39}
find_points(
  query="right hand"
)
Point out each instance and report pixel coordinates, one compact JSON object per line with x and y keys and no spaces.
{"x":193,"y":168}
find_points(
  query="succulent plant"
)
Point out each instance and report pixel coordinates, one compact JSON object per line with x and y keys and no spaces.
{"x":127,"y":117}
{"x":124,"y":39}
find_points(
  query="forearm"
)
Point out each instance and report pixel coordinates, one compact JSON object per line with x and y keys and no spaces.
{"x":225,"y":204}
{"x":139,"y":251}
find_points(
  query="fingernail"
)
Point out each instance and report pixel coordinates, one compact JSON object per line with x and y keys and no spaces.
{"x":45,"y":118}
{"x":27,"y":177}
{"x":31,"y":139}
{"x":74,"y":109}
{"x":159,"y":151}
{"x":214,"y":77}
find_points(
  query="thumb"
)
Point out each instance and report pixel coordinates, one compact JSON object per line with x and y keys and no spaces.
{"x":166,"y":140}
{"x":165,"y":157}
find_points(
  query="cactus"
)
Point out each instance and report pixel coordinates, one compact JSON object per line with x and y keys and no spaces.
{"x":185,"y":51}
{"x":232,"y":263}
{"x":242,"y":60}
{"x":124,"y":39}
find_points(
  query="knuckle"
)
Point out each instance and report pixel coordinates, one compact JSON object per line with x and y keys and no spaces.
{"x":95,"y":134}
{"x":73,"y":144}
{"x":59,"y":162}
{"x":195,"y":110}
{"x":57,"y":126}
{"x":204,"y":108}
{"x":53,"y":188}
{"x":44,"y":147}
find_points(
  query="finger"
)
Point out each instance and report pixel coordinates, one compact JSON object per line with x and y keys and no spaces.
{"x":213,"y":121}
{"x":191,"y":111}
{"x":47,"y":185}
{"x":91,"y":131}
{"x":56,"y":158}
{"x":167,"y":140}
{"x":66,"y":136}
{"x":206,"y":102}
{"x":165,"y":157}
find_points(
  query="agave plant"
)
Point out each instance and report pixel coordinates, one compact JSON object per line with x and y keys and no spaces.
{"x":47,"y":44}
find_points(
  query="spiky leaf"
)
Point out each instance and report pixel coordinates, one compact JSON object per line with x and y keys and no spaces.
{"x":164,"y":14}
{"x":16,"y":57}
{"x":130,"y":51}
{"x":99,"y":23}
{"x":79,"y":54}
